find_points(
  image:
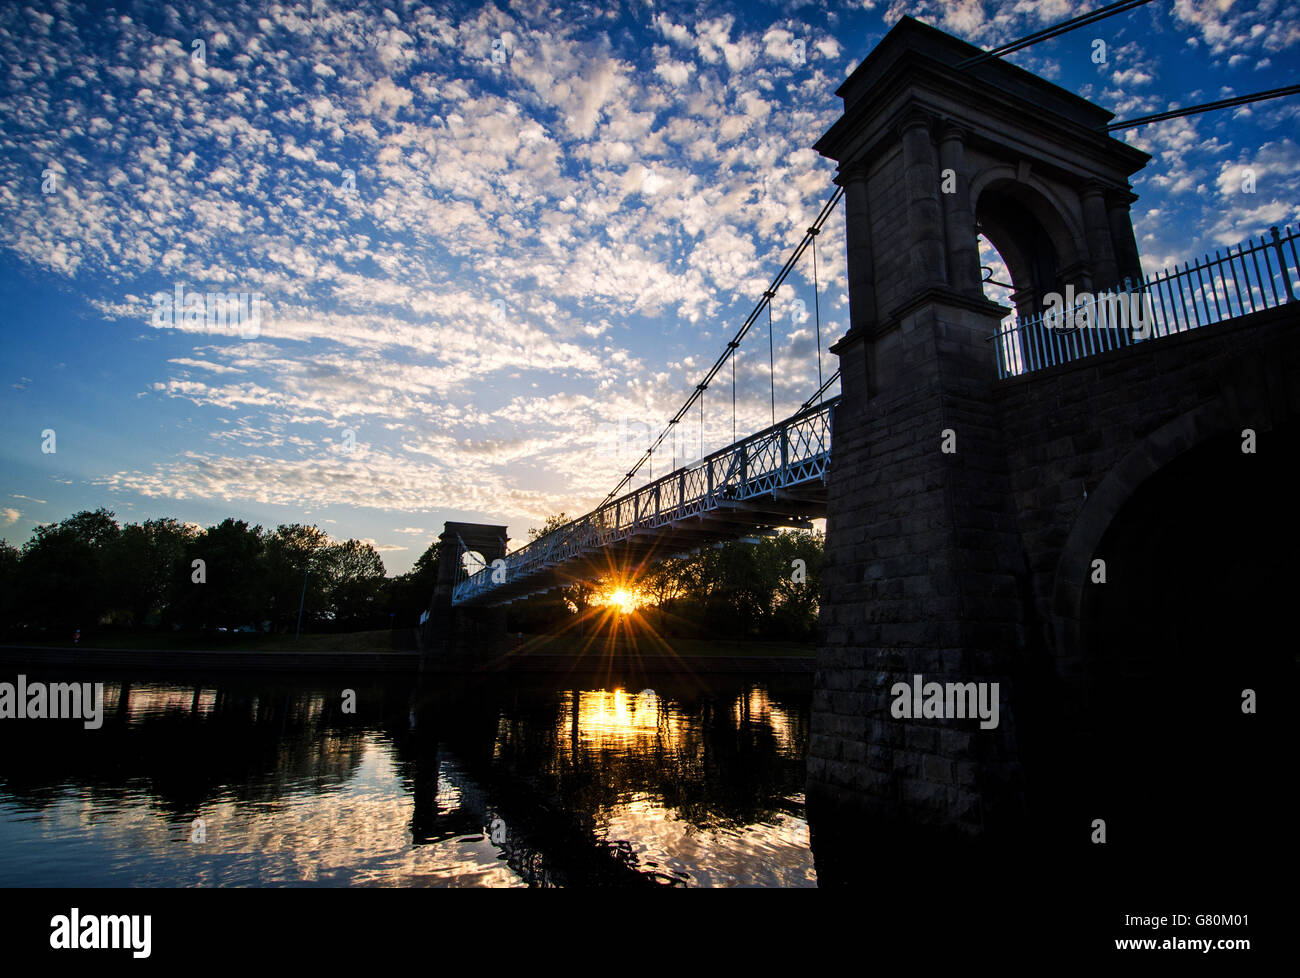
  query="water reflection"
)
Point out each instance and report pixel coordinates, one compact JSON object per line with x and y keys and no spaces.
{"x":448,"y":782}
{"x":606,"y":719}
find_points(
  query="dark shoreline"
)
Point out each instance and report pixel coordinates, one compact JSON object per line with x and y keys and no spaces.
{"x":37,"y":657}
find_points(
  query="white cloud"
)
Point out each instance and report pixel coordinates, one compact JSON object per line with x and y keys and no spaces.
{"x":385,"y":98}
{"x":383,"y":547}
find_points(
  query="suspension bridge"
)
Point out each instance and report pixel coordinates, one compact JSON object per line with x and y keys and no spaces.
{"x":776,"y":478}
{"x":1071,"y":448}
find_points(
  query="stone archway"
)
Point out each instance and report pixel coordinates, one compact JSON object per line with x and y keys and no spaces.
{"x":1151,"y":665}
{"x":465,"y":549}
{"x":471,"y":562}
{"x":1104,"y":504}
{"x":1033,"y":234}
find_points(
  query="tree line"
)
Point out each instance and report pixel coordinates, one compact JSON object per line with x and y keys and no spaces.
{"x":769,"y":589}
{"x":88,"y":572}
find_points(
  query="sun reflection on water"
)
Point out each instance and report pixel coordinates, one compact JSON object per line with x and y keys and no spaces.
{"x":617,"y":718}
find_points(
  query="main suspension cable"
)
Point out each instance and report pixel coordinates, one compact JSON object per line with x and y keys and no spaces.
{"x":728,"y":353}
{"x":820,"y":391}
{"x":1049,"y":32}
{"x":733,"y":399}
{"x":771,"y":359}
{"x":1223,"y":103}
{"x":817,"y":307}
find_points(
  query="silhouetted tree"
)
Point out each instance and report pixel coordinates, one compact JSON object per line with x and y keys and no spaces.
{"x":741,"y":589}
{"x":9,"y":579}
{"x":409,"y":593}
{"x":234,"y":592}
{"x":65,"y":571}
{"x":87,"y":570}
{"x":355,"y":581}
{"x":291,"y":551}
{"x":150,"y":567}
{"x":796,"y":602}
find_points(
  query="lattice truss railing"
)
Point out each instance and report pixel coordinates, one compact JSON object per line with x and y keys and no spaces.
{"x":790,"y":454}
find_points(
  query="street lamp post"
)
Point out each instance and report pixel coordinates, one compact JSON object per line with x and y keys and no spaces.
{"x":301,"y":601}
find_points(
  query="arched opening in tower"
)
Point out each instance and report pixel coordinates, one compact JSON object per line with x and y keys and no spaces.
{"x":998,"y":288}
{"x":1029,"y":237}
{"x":471,"y":562}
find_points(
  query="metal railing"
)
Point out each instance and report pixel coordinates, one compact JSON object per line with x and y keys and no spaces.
{"x":1258,"y":275}
{"x":791,"y":453}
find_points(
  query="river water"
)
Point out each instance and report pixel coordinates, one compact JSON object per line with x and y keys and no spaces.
{"x":505,"y":781}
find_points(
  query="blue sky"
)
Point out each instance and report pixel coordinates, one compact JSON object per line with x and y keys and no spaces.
{"x":533,"y":260}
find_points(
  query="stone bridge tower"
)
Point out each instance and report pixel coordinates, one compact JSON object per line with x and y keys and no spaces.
{"x":925,"y":570}
{"x":449,"y":630}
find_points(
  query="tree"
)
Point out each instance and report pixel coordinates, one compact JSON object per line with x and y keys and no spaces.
{"x":426,"y":565}
{"x":356,"y":580}
{"x":796,"y":601}
{"x":409,"y":593}
{"x":9,"y":578}
{"x":291,"y":551}
{"x":149,"y":561}
{"x":66,"y":573}
{"x":551,"y":523}
{"x":233,"y":590}
{"x":97,"y":528}
{"x":742,"y":589}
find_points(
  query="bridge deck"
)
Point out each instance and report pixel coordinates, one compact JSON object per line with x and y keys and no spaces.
{"x":775,"y":478}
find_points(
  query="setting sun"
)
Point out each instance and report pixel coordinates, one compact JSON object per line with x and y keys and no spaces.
{"x":623,"y":598}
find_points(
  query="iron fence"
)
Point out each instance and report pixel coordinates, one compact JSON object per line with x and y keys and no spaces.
{"x":1259,"y":274}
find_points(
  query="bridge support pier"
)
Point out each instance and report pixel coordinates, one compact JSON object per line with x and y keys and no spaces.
{"x":456,"y":631}
{"x":925,"y":572}
{"x":924,"y":576}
